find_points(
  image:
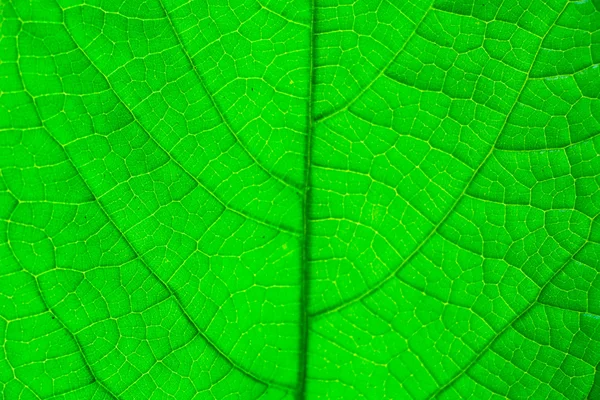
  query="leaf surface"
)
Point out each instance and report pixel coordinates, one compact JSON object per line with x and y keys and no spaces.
{"x":299,"y":199}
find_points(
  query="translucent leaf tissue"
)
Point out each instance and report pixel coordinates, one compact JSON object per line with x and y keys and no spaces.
{"x":299,"y":199}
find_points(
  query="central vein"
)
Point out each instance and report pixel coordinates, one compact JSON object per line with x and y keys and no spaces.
{"x":305,"y":244}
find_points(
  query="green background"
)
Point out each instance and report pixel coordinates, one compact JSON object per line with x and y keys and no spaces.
{"x":274,"y":199}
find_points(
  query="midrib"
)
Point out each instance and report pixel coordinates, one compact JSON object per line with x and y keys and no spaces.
{"x":305,"y":245}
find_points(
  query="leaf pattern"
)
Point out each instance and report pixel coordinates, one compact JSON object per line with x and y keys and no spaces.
{"x":299,"y":199}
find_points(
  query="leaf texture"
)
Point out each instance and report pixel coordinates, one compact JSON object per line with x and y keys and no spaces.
{"x":299,"y":199}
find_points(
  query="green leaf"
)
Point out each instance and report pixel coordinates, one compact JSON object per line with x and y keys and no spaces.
{"x":299,"y":199}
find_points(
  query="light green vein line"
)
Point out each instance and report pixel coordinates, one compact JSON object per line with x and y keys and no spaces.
{"x":596,"y":384}
{"x":166,"y":286}
{"x":416,"y":251}
{"x":150,"y":270}
{"x":35,"y":278}
{"x":497,"y":336}
{"x":213,"y":102}
{"x":306,"y":202}
{"x":291,"y":21}
{"x":169,"y":290}
{"x":15,"y":376}
{"x":172,"y":158}
{"x":349,"y":103}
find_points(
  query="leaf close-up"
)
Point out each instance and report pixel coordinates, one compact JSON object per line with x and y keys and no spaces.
{"x":299,"y":199}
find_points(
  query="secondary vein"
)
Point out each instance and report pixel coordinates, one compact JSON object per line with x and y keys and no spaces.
{"x":393,"y":273}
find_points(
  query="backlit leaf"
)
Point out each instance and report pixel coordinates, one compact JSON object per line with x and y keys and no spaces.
{"x":300,"y":199}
